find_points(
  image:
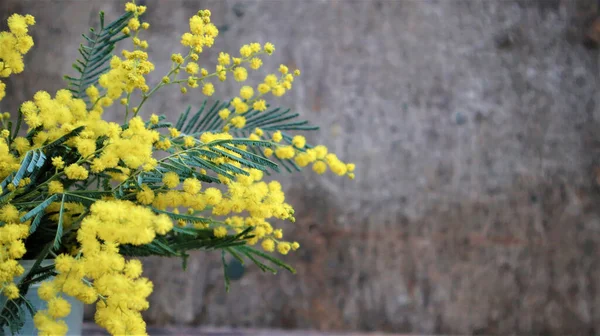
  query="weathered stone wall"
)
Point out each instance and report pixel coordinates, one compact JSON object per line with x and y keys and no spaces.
{"x":474,"y":125}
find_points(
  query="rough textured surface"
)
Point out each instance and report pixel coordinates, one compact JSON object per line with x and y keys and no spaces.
{"x":474,"y":125}
{"x":90,"y":329}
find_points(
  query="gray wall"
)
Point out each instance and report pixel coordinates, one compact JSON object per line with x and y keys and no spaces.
{"x":474,"y":126}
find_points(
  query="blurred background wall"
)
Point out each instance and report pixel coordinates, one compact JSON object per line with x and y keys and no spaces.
{"x":475,"y":129}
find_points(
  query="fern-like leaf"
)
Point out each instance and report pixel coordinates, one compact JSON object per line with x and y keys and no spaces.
{"x":96,"y":54}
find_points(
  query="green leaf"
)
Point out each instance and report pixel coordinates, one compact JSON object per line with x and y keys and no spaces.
{"x":21,"y":172}
{"x":243,"y":161}
{"x":253,"y":157}
{"x":227,"y":281}
{"x":96,"y":54}
{"x":210,"y":115}
{"x":187,"y":218}
{"x":15,"y":133}
{"x":212,"y":166}
{"x":247,"y":250}
{"x":36,"y":222}
{"x":182,"y":118}
{"x":59,"y":227}
{"x":190,"y":125}
{"x":38,"y":208}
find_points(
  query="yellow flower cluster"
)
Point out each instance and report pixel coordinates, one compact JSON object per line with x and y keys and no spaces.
{"x":101,"y":272}
{"x":94,"y":270}
{"x":127,"y":74}
{"x":8,"y":162}
{"x":247,"y":99}
{"x":59,"y":116}
{"x":202,"y":32}
{"x":261,"y":201}
{"x":132,"y":146}
{"x":318,"y":155}
{"x":13,"y":45}
{"x":12,"y":235}
{"x":72,"y":210}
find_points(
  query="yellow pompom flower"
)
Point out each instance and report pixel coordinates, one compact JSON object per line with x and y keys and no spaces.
{"x":76,"y":172}
{"x":163,"y":224}
{"x":246,"y":92}
{"x":283,"y":247}
{"x":302,"y":159}
{"x":224,"y":58}
{"x":170,"y":179}
{"x":238,"y":122}
{"x":240,"y":74}
{"x":208,"y":89}
{"x":263,"y":88}
{"x":283,"y":69}
{"x":130,"y":7}
{"x":192,"y":82}
{"x":145,"y":196}
{"x":245,"y":50}
{"x":239,"y":106}
{"x":58,"y":162}
{"x":16,"y":249}
{"x":224,"y":113}
{"x":255,"y":63}
{"x":58,"y":307}
{"x":55,"y":187}
{"x":21,"y":144}
{"x":47,"y":325}
{"x":220,"y":232}
{"x":271,"y":80}
{"x":192,"y":68}
{"x":191,"y":185}
{"x":174,"y":132}
{"x":277,"y":136}
{"x":188,"y":141}
{"x":93,"y":93}
{"x":278,"y":90}
{"x":260,"y":105}
{"x":177,"y":58}
{"x":133,"y":269}
{"x":17,"y":25}
{"x":285,"y":152}
{"x":299,"y":141}
{"x":85,"y":147}
{"x":269,"y":48}
{"x":319,"y":167}
{"x":255,"y":47}
{"x":133,"y":24}
{"x":212,"y":196}
{"x":268,"y":245}
{"x":321,"y":151}
{"x":47,"y":290}
{"x":11,"y":291}
{"x":2,"y":90}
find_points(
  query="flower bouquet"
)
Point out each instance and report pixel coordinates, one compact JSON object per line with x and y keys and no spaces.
{"x":83,"y":197}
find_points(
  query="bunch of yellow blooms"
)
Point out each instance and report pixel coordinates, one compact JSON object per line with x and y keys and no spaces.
{"x":95,"y":194}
